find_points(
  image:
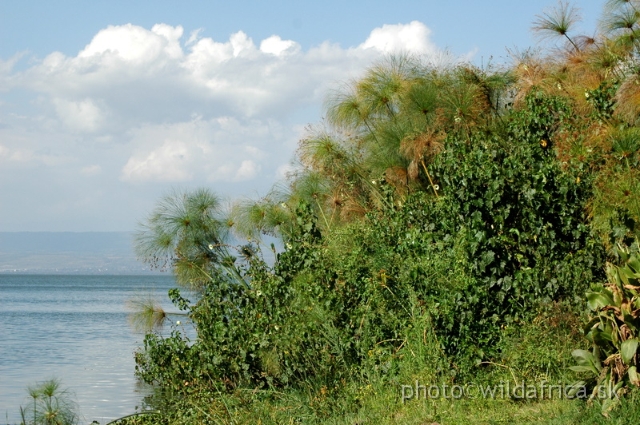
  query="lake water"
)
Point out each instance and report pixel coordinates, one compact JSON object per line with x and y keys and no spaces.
{"x":73,"y":328}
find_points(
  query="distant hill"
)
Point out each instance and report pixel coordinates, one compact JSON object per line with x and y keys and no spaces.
{"x":69,"y":252}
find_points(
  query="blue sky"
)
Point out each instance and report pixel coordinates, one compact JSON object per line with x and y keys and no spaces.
{"x":107,"y":105}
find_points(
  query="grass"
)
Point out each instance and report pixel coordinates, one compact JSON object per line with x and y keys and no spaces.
{"x":532,"y":352}
{"x":381,"y":405}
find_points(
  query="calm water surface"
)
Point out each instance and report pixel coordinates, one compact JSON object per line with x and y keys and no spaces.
{"x":74,"y":328}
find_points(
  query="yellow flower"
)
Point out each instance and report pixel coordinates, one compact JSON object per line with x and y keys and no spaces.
{"x":543,"y":143}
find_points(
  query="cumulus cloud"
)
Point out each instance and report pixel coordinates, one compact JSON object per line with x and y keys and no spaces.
{"x":129,"y":79}
{"x":168,"y":162}
{"x":277,"y":46}
{"x":82,"y":115}
{"x":411,"y":38}
{"x":247,"y":170}
{"x":155,"y":106}
{"x":152,"y":71}
{"x":214,"y":150}
{"x":135,"y":45}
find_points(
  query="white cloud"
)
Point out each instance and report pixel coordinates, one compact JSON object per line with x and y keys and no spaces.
{"x":156,"y":107}
{"x":167,"y":163}
{"x":219,"y":149}
{"x":193,"y":37}
{"x":141,"y":74}
{"x":411,"y":38}
{"x":248,"y":170}
{"x":134,"y":44}
{"x":83,"y":115}
{"x":277,"y":46}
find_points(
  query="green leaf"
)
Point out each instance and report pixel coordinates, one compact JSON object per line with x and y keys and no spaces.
{"x":622,"y":276}
{"x":587,"y":359}
{"x":628,"y":350}
{"x":634,"y":378}
{"x":628,"y":273}
{"x":581,"y":369}
{"x":597,"y":300}
{"x":624,"y":255}
{"x":634,"y":263}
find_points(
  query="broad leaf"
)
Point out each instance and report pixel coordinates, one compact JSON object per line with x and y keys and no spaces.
{"x":628,"y":349}
{"x":598,"y":300}
{"x":628,"y":273}
{"x":587,"y":359}
{"x":634,"y":263}
{"x":583,"y":369}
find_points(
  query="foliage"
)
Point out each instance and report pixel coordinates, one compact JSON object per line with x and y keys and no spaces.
{"x":615,"y":206}
{"x":536,"y":350}
{"x":507,"y":232}
{"x":246,"y":335}
{"x":522,"y":215}
{"x":49,"y":404}
{"x":187,"y":233}
{"x":444,"y":220}
{"x":613,"y":331}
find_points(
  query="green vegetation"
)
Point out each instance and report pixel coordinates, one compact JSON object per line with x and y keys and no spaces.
{"x":614,"y":331}
{"x":449,"y":226}
{"x":49,"y":404}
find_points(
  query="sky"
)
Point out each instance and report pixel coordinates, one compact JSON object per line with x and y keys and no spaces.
{"x":106,"y":106}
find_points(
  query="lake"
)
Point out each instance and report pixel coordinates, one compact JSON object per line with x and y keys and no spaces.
{"x":73,"y":328}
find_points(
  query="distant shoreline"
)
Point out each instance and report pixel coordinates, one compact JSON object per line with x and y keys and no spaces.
{"x":70,"y":253}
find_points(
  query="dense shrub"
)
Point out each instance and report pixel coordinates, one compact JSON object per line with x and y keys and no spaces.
{"x":527,"y":234}
{"x":507,"y":233}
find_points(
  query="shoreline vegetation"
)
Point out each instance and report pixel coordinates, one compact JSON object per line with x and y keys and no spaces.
{"x":458,"y":242}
